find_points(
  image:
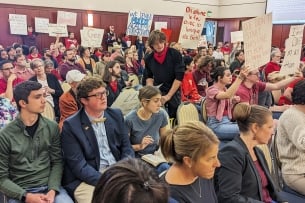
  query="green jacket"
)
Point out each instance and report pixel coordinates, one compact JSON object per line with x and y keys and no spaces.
{"x":27,"y":162}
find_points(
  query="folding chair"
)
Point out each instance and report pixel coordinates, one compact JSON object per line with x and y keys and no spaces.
{"x":204,"y":110}
{"x":187,"y":112}
{"x":65,"y":86}
{"x":49,"y":111}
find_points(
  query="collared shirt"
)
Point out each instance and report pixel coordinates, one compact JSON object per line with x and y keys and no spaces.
{"x":25,"y":74}
{"x":106,"y":156}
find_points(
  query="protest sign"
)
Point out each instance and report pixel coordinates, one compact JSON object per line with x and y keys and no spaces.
{"x":257,"y":34}
{"x":18,"y":24}
{"x":191,"y":28}
{"x":293,"y":50}
{"x":139,"y":23}
{"x":237,"y":36}
{"x":42,"y":25}
{"x":160,"y":25}
{"x":91,"y":37}
{"x":58,"y":30}
{"x":66,"y":18}
{"x":127,"y":100}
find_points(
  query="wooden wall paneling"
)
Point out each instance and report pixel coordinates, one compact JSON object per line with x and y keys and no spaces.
{"x":6,"y":38}
{"x":277,"y":35}
{"x":284,"y":34}
{"x":175,"y":26}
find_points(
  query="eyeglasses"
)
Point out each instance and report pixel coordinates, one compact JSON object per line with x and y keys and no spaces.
{"x":10,"y":68}
{"x":99,"y":95}
{"x":257,"y":74}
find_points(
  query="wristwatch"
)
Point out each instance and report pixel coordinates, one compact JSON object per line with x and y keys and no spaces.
{"x":23,"y":198}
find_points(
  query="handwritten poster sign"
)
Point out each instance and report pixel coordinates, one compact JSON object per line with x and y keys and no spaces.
{"x":160,"y":25}
{"x":257,"y":34}
{"x":293,"y":50}
{"x":139,"y":23}
{"x":42,"y":25}
{"x":127,"y":100}
{"x":66,"y":18}
{"x":18,"y":24}
{"x":237,"y":36}
{"x":56,"y":29}
{"x":91,"y":37}
{"x":191,"y":28}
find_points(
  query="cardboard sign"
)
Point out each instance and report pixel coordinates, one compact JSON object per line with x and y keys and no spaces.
{"x":191,"y":28}
{"x":91,"y":37}
{"x":257,"y":34}
{"x":56,"y":29}
{"x":127,"y":100}
{"x":139,"y":23}
{"x":42,"y":25}
{"x":237,"y":36}
{"x":18,"y":24}
{"x":160,"y":25}
{"x":293,"y":50}
{"x":66,"y":18}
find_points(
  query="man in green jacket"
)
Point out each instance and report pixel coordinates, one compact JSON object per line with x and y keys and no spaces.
{"x":30,"y":152}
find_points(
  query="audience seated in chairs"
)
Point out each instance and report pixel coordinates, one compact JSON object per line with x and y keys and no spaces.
{"x":219,"y":102}
{"x":130,"y":181}
{"x":244,"y":175}
{"x":146,"y":124}
{"x":290,"y":141}
{"x":193,"y":148}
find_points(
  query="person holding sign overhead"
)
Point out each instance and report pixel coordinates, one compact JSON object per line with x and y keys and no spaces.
{"x":164,"y":67}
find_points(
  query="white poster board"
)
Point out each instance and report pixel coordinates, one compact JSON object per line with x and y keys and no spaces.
{"x":18,"y":24}
{"x":139,"y":23}
{"x":42,"y":25}
{"x":237,"y":36}
{"x":191,"y":28}
{"x":66,"y":18}
{"x":127,"y":100}
{"x":91,"y":37}
{"x":293,"y":50}
{"x":257,"y":34}
{"x":159,"y":25}
{"x":58,"y":30}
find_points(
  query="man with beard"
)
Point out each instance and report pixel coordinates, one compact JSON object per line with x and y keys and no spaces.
{"x":47,"y":55}
{"x":69,"y":64}
{"x":21,"y":69}
{"x":9,"y":80}
{"x":112,"y":77}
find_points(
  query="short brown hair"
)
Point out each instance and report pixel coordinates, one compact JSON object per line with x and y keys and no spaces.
{"x":87,"y":85}
{"x":156,"y":36}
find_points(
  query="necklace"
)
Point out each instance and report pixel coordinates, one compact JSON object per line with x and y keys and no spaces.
{"x":199,"y":186}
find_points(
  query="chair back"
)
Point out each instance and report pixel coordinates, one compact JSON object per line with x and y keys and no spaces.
{"x":267,"y":154}
{"x":49,"y":111}
{"x":276,"y":172}
{"x":135,"y":80}
{"x":187,"y":112}
{"x":204,"y":110}
{"x":65,"y":86}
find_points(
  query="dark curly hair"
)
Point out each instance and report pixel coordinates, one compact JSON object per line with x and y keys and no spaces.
{"x":298,"y":94}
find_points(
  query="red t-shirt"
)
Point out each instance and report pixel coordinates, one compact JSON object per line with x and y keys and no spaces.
{"x":3,"y":84}
{"x":250,"y":95}
{"x":283,"y":100}
{"x":271,"y":67}
{"x":189,"y":90}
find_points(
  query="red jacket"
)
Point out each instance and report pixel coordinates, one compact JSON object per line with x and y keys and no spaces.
{"x":189,"y":90}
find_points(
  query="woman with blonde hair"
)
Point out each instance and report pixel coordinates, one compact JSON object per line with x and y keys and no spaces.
{"x":193,"y":149}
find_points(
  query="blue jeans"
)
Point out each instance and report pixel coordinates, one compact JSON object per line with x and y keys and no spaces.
{"x":224,"y":129}
{"x":62,"y":197}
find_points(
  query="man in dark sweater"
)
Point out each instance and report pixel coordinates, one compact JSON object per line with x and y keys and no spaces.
{"x":164,"y":67}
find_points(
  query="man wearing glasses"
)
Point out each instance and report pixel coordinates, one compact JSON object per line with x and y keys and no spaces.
{"x":274,"y":64}
{"x":92,"y":139}
{"x":9,"y":80}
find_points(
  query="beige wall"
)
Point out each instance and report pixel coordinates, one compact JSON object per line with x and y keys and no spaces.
{"x":219,"y":8}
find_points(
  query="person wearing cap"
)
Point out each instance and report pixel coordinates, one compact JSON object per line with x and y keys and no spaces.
{"x":116,"y":51}
{"x":100,"y":66}
{"x":8,"y":80}
{"x":68,"y":102}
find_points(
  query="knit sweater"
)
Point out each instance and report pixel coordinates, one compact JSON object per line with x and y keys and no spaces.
{"x":291,"y":141}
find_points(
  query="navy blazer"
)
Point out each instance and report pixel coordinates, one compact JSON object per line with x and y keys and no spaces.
{"x":237,"y":180}
{"x":80,"y":148}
